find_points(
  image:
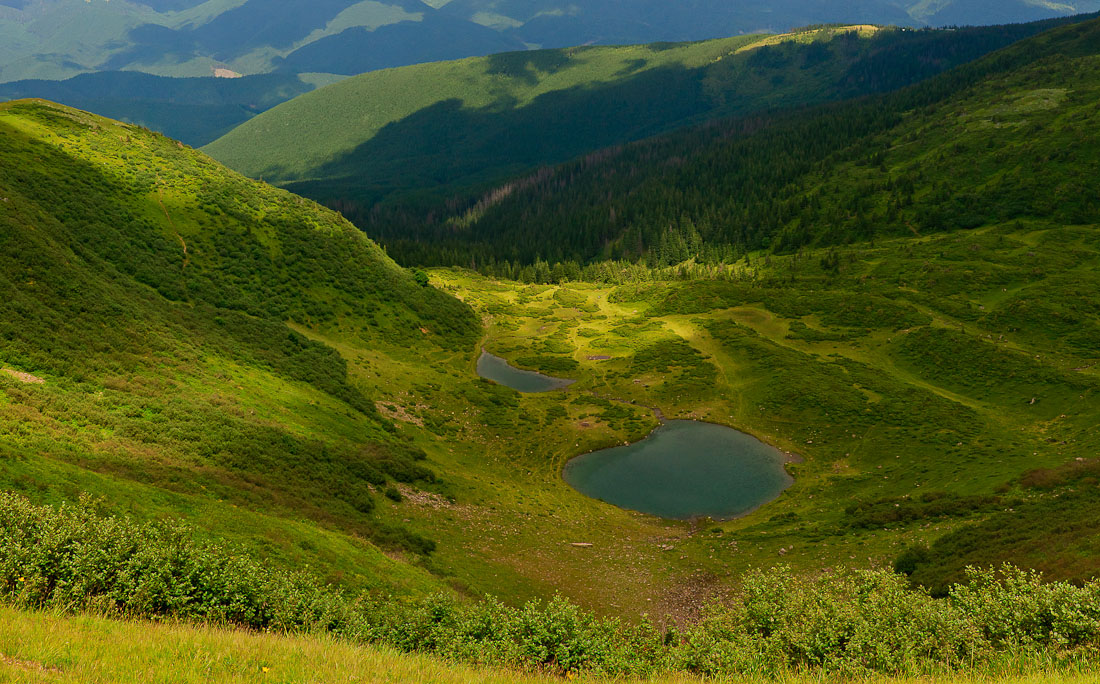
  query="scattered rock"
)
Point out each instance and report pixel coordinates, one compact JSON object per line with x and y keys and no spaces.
{"x":398,"y":412}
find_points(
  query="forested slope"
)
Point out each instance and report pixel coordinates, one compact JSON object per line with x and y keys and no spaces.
{"x":1006,"y":137}
{"x":419,"y":133}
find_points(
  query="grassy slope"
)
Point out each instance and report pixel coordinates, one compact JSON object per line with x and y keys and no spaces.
{"x":37,"y":647}
{"x":146,"y":287}
{"x":304,"y":134}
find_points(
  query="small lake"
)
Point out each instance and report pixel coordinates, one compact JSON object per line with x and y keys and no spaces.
{"x":684,"y":469}
{"x":499,"y":371}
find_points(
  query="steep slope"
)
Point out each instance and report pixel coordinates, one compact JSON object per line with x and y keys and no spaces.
{"x":438,"y":126}
{"x":156,"y":308}
{"x":887,"y":165}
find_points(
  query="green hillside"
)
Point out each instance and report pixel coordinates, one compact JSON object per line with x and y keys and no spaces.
{"x":304,"y":135}
{"x":888,"y":165}
{"x":154,"y":305}
{"x":282,"y":429}
{"x":399,"y":134}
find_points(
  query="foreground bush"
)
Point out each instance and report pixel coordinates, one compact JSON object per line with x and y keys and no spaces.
{"x":846,"y":622}
{"x":75,"y":558}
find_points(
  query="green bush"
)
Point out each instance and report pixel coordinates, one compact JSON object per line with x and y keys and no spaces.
{"x":75,"y":558}
{"x":850,"y":622}
{"x":847,"y":622}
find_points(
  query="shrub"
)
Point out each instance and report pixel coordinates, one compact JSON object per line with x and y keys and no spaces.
{"x":852,"y":622}
{"x":1014,"y":608}
{"x":849,"y":623}
{"x":73,"y":557}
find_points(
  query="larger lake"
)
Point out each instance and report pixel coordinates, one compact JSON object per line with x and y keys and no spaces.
{"x":684,"y":469}
{"x":499,"y":371}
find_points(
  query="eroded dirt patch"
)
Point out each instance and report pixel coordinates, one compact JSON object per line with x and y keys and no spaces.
{"x":23,"y":377}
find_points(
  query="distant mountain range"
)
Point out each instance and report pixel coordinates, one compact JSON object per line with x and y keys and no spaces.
{"x":398,"y":136}
{"x":56,"y":39}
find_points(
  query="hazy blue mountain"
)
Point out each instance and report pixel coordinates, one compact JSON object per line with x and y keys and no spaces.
{"x":194,"y":110}
{"x":56,"y":39}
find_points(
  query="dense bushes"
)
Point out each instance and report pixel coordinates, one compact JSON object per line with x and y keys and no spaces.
{"x":74,"y":557}
{"x":907,"y":510}
{"x":850,"y":622}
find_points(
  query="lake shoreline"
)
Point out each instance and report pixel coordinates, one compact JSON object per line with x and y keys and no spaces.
{"x":499,"y":370}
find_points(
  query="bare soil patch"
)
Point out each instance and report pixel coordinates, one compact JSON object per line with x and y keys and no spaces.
{"x":23,"y":377}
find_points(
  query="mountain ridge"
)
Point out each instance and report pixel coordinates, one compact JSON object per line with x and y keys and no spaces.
{"x":60,"y":38}
{"x":707,"y":189}
{"x":429,"y":135}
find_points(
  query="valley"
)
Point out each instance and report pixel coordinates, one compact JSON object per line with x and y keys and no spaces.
{"x":835,"y":355}
{"x":770,"y":356}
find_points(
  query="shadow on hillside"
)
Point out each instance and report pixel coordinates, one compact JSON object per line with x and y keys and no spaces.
{"x":447,"y":146}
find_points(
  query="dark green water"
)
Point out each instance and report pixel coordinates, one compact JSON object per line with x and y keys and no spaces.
{"x":497,"y":369}
{"x":684,"y":469}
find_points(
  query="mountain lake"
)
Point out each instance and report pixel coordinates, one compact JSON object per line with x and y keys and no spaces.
{"x":684,"y":469}
{"x":501,"y":372}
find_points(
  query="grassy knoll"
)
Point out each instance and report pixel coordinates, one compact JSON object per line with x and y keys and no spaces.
{"x":146,"y":291}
